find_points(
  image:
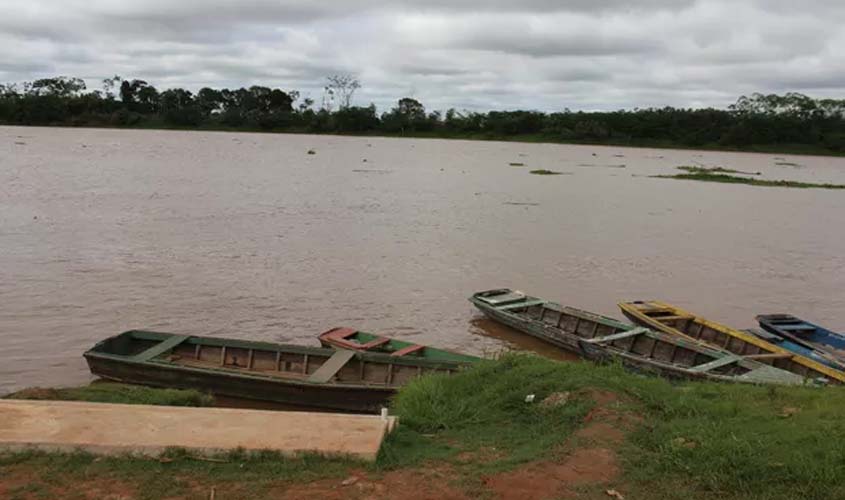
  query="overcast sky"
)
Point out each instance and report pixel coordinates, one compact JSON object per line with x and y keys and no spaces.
{"x":530,"y":54}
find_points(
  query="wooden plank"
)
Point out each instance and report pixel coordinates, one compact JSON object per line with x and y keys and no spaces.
{"x":519,"y":305}
{"x":675,"y":318}
{"x":331,"y":366}
{"x":408,"y":350}
{"x":776,"y":355}
{"x":160,"y":348}
{"x":723,"y":361}
{"x":617,"y":336}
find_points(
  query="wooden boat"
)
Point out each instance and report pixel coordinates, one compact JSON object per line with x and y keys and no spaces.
{"x":302,"y":376}
{"x":349,"y":338}
{"x":599,"y":338}
{"x":797,"y":335}
{"x":676,"y":321}
{"x":796,"y":329}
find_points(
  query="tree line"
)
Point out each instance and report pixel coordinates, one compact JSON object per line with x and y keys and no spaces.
{"x":775,"y":122}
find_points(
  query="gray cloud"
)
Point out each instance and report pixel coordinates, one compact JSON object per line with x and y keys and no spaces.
{"x":536,"y":54}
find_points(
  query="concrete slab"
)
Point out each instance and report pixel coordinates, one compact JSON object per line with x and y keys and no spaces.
{"x":149,"y":430}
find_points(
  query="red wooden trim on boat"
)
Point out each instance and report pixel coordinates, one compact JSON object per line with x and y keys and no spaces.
{"x":408,"y":350}
{"x":338,"y":336}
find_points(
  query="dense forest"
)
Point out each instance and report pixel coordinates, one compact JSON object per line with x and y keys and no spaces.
{"x":790,"y":122}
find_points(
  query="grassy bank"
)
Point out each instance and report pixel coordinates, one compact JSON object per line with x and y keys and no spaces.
{"x":110,"y":392}
{"x":474,"y":435}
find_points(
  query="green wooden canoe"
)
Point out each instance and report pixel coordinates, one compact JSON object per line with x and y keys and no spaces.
{"x":336,"y":379}
{"x":348,"y":338}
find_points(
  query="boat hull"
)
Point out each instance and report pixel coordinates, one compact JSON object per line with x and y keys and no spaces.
{"x":806,"y":334}
{"x":679,"y":322}
{"x":301,"y":376}
{"x":278,"y":391}
{"x":348,"y":338}
{"x":601,"y":339}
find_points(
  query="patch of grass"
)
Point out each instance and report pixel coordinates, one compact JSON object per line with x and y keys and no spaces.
{"x":731,"y":179}
{"x":703,"y":440}
{"x":516,"y":164}
{"x":714,"y":170}
{"x":110,"y":392}
{"x":786,"y":164}
{"x":485,"y":408}
{"x":696,"y":440}
{"x":177,"y":473}
{"x":735,"y":441}
{"x":543,"y":171}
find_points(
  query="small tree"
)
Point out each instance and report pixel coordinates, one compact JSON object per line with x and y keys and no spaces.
{"x":342,"y":87}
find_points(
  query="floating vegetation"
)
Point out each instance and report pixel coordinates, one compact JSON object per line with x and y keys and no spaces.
{"x":786,"y":164}
{"x":20,"y":143}
{"x":543,"y":171}
{"x":311,"y":152}
{"x":521,"y":204}
{"x":708,"y":176}
{"x":516,"y":164}
{"x":619,"y":156}
{"x":372,"y":171}
{"x":714,"y":170}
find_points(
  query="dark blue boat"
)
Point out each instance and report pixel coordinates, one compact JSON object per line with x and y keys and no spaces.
{"x":804,"y":335}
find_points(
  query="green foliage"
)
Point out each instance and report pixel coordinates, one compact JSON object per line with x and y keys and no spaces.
{"x":708,"y":176}
{"x":109,"y":392}
{"x":791,"y":122}
{"x":543,"y":171}
{"x":715,"y":170}
{"x":696,"y":440}
{"x":485,"y":407}
{"x":741,"y":441}
{"x":177,"y":473}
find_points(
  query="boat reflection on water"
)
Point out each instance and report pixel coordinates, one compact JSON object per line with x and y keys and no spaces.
{"x":517,"y":341}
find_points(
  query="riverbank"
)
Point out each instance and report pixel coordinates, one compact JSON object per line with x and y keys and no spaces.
{"x":787,"y":149}
{"x":590,"y":432}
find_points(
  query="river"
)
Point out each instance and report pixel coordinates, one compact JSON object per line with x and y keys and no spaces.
{"x":248,"y":236}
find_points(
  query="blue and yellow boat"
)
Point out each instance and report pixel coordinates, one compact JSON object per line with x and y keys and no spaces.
{"x":676,"y":321}
{"x":792,"y":331}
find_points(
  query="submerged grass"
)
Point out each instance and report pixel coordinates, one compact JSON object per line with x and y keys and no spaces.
{"x":543,"y":171}
{"x":695,"y":440}
{"x":719,"y":174}
{"x":110,"y":392}
{"x":714,"y":170}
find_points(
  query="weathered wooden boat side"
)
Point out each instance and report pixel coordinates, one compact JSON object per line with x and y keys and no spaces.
{"x":800,"y":347}
{"x":305,"y":376}
{"x":599,"y":338}
{"x":676,"y":321}
{"x":645,"y":350}
{"x":356,"y":340}
{"x":548,"y":321}
{"x":804,"y":333}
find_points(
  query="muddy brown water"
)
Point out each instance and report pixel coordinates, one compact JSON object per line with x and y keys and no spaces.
{"x":246,"y":235}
